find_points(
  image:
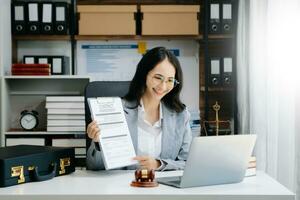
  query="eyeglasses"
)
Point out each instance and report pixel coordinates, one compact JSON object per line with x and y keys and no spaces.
{"x":159,"y":79}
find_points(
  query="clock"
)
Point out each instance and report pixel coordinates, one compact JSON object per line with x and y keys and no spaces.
{"x":29,"y":119}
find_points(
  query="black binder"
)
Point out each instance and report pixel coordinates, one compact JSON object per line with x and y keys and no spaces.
{"x":33,"y":17}
{"x":227,"y":71}
{"x":47,"y":18}
{"x":215,"y":71}
{"x":214,"y":16}
{"x":227,"y":14}
{"x":18,"y":17}
{"x":61,"y":18}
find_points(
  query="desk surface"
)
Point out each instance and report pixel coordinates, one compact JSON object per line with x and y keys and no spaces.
{"x":109,"y":185}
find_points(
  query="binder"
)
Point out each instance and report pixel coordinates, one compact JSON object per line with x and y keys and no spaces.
{"x":33,"y":18}
{"x":227,"y":71}
{"x":18,"y":17}
{"x":214,"y":17}
{"x":59,"y":65}
{"x":215,"y":72}
{"x":61,"y":19}
{"x":47,"y":18}
{"x":227,"y":17}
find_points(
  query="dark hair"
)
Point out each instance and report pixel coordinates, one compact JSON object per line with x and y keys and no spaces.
{"x":147,"y":63}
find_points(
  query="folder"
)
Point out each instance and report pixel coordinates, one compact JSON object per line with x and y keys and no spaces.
{"x":227,"y":71}
{"x":227,"y":17}
{"x":215,"y":72}
{"x":47,"y":18}
{"x":214,"y":17}
{"x":61,"y":19}
{"x":33,"y":20}
{"x":18,"y":17}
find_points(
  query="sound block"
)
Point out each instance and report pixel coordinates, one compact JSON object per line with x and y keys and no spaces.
{"x":144,"y":184}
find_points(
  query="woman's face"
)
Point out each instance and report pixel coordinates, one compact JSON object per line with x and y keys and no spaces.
{"x":160,"y":80}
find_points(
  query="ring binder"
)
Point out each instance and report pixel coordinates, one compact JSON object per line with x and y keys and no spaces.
{"x":227,"y":17}
{"x":227,"y":71}
{"x":61,"y":19}
{"x":214,"y":17}
{"x":33,"y":24}
{"x":214,"y":72}
{"x":47,"y":18}
{"x":18,"y":17}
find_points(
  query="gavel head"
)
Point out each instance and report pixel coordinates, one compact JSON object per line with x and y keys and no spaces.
{"x":143,"y":175}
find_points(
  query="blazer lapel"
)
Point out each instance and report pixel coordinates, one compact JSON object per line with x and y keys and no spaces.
{"x":168,"y":132}
{"x":131,"y":115}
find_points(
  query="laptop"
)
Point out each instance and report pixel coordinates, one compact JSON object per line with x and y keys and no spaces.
{"x":214,"y":160}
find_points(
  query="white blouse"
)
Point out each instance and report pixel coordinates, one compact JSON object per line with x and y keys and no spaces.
{"x":149,"y":136}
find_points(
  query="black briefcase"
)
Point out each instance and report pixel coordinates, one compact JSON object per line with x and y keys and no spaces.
{"x":28,"y":163}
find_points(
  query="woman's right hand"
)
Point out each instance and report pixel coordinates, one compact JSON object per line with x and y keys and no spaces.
{"x":93,"y":131}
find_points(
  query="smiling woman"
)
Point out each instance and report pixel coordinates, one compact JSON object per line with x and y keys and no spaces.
{"x":157,"y":119}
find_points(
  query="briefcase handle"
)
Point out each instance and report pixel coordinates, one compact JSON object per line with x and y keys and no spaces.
{"x":37,"y":177}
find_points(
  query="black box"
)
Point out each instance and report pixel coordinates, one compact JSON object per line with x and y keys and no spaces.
{"x":28,"y":163}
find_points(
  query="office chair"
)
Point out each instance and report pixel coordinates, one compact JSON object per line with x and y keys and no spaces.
{"x":102,"y":89}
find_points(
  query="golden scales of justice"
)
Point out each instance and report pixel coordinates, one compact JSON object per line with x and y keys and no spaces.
{"x":217,"y":126}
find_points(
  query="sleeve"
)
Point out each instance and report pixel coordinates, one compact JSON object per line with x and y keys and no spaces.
{"x":94,"y":158}
{"x":179,"y":162}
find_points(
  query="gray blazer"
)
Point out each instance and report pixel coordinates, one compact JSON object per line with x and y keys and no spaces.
{"x":176,"y":138}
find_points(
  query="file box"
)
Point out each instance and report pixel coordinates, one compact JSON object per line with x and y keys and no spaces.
{"x":107,"y":19}
{"x":170,"y":19}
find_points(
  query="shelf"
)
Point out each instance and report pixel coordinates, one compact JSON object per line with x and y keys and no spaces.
{"x":41,"y":37}
{"x":43,"y":93}
{"x":139,"y":37}
{"x":217,"y":89}
{"x":135,"y":2}
{"x":221,"y":36}
{"x":20,"y":132}
{"x":48,"y":77}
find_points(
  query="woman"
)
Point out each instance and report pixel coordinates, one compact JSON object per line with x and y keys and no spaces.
{"x":157,"y":120}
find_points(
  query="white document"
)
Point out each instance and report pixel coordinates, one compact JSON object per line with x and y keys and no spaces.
{"x":115,"y":140}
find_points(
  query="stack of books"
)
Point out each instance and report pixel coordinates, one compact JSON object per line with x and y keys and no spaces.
{"x":31,"y":69}
{"x":251,"y":171}
{"x":195,"y":122}
{"x":65,"y":113}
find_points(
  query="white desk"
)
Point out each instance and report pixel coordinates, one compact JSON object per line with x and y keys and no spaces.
{"x":89,"y":185}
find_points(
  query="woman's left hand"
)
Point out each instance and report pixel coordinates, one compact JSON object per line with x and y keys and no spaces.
{"x":147,"y":162}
